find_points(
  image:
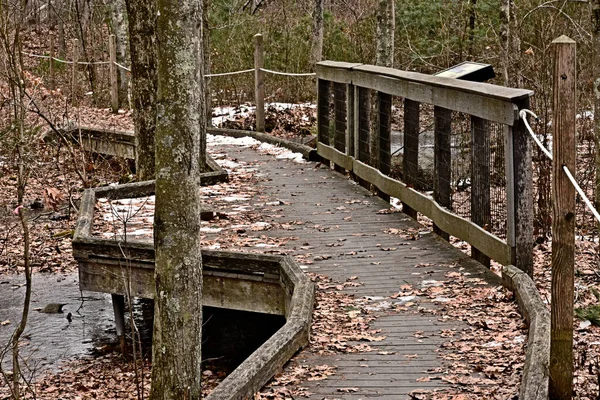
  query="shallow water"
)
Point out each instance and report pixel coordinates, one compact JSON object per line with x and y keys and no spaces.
{"x":50,"y":339}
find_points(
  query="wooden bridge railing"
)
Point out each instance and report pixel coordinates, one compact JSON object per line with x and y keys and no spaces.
{"x":358,"y":140}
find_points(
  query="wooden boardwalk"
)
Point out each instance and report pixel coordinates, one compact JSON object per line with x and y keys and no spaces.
{"x":343,"y":229}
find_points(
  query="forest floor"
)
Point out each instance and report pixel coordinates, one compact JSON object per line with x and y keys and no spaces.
{"x":58,"y":174}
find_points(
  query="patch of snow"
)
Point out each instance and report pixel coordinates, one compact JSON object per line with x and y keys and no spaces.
{"x":430,"y":282}
{"x":215,"y":140}
{"x":404,"y":299}
{"x":235,"y":198}
{"x":583,"y":325}
{"x":384,"y":305}
{"x":210,"y":230}
{"x":492,"y":344}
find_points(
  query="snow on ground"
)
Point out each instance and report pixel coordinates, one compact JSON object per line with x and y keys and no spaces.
{"x":281,"y":153}
{"x":222,"y":114}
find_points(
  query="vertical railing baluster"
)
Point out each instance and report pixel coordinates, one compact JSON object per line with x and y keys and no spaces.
{"x":442,"y":161}
{"x":339,"y":135}
{"x":384,"y":101}
{"x":364,"y":128}
{"x":323,"y":96}
{"x":480,"y":180}
{"x":410,"y":161}
{"x":350,"y":120}
{"x":522,"y":256}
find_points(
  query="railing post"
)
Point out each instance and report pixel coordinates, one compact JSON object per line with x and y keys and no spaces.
{"x":441,"y":161}
{"x":112,"y":68}
{"x":323,"y":96}
{"x":364,"y":128}
{"x":410,"y":161}
{"x":339,"y":135}
{"x":74,"y":72}
{"x":350,"y":120}
{"x":519,"y":192}
{"x":563,"y":220}
{"x":384,"y":135}
{"x":259,"y":82}
{"x":480,"y":180}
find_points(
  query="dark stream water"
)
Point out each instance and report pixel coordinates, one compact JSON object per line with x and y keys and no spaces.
{"x":229,"y":336}
{"x":50,"y":338}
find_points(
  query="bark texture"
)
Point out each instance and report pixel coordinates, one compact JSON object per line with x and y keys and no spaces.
{"x":596,"y":87}
{"x":180,"y":127}
{"x":119,"y":25}
{"x":384,"y":57}
{"x":316,"y":49}
{"x":385,"y":33}
{"x":511,"y":45}
{"x":142,"y":41}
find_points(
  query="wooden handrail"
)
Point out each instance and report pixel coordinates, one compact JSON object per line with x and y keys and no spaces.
{"x":357,"y":145}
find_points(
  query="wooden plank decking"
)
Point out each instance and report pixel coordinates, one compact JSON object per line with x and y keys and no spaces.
{"x":344,"y":232}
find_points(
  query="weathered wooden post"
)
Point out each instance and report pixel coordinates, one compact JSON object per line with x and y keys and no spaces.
{"x":350,"y":121}
{"x":519,"y":193}
{"x":480,"y":180}
{"x":339,"y":134}
{"x":441,"y":161}
{"x":410,"y":161}
{"x":563,"y":220}
{"x":259,"y":82}
{"x":384,"y":136}
{"x":363,"y":105}
{"x":112,"y":68}
{"x":51,"y":64}
{"x":323,"y":95}
{"x":74,"y":72}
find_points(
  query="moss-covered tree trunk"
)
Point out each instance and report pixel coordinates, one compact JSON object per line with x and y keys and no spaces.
{"x":180,"y":128}
{"x":142,"y":43}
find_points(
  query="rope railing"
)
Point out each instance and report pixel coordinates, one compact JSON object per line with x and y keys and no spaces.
{"x":287,"y":73}
{"x":70,"y":62}
{"x":244,"y":71}
{"x":523,"y":115}
{"x":230,"y":73}
{"x":585,"y":199}
{"x":122,"y":67}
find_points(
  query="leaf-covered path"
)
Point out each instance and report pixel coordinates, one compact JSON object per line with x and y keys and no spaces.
{"x":433,"y":312}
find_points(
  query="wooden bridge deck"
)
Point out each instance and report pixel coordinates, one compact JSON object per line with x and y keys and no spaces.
{"x":344,"y":231}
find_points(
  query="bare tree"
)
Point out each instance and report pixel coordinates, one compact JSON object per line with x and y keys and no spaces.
{"x":180,"y":133}
{"x":12,"y":19}
{"x":142,"y":41}
{"x":595,"y":16}
{"x":384,"y":57}
{"x":316,"y":49}
{"x":120,"y":27}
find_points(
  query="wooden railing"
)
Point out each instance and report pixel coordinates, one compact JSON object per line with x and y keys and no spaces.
{"x":350,"y":139}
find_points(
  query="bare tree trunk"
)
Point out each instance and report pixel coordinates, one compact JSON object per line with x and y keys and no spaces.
{"x":511,"y":45}
{"x":207,"y":60}
{"x":596,"y":87}
{"x":142,"y":42}
{"x":386,"y":22}
{"x":180,"y":131}
{"x":62,"y":44}
{"x":120,"y":28}
{"x":472,"y":20}
{"x":505,"y":38}
{"x":384,"y":57}
{"x":316,"y":49}
{"x":12,"y":20}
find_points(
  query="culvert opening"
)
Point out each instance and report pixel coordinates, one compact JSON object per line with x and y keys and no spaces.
{"x":228,"y":336}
